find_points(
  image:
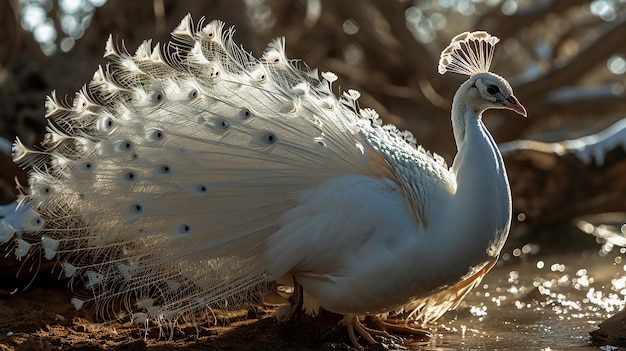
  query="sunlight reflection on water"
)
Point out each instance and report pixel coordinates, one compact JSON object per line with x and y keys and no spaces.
{"x":536,"y":301}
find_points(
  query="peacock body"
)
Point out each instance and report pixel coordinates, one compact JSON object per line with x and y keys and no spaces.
{"x":189,"y":174}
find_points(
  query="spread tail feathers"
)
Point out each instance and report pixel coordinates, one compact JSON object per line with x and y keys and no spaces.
{"x":160,"y":182}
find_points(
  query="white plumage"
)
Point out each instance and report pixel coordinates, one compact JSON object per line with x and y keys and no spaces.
{"x":187,"y":176}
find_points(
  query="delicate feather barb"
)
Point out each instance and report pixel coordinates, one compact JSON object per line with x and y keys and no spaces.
{"x":468,"y":53}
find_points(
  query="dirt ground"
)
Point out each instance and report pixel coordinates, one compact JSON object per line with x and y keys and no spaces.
{"x":42,"y":318}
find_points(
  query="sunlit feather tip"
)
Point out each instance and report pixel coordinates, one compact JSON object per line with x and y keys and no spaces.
{"x":468,"y":53}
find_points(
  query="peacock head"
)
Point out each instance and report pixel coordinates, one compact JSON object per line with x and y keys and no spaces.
{"x":488,"y":90}
{"x":471,"y":54}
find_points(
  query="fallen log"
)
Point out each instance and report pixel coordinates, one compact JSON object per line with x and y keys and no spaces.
{"x":555,"y":182}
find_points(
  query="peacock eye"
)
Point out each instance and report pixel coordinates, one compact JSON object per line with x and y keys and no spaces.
{"x":492,"y":89}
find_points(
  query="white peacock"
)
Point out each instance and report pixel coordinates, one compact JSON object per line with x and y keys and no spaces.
{"x":188,"y":175}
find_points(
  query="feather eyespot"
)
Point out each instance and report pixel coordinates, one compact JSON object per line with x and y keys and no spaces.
{"x":245,"y":113}
{"x":129,"y":177}
{"x":123,"y":146}
{"x":36,"y":222}
{"x":183,"y":229}
{"x":155,"y":135}
{"x":85,"y":167}
{"x":163,"y":170}
{"x":136,"y":210}
{"x":193,"y":94}
{"x":224,"y":124}
{"x":209,"y":31}
{"x":259,"y":75}
{"x":201,"y":189}
{"x":104,"y":124}
{"x":157,"y":96}
{"x":269,"y":138}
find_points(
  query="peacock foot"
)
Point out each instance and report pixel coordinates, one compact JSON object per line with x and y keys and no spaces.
{"x":378,"y":327}
{"x":370,"y":327}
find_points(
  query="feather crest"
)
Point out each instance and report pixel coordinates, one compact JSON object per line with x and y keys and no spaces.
{"x":468,"y":53}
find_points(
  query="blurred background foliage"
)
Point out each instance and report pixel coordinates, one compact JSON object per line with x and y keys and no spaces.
{"x":565,"y":59}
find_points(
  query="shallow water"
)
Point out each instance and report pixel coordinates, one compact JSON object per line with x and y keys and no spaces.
{"x":537,"y":300}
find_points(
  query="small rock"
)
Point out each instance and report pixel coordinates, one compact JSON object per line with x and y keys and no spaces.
{"x":612,"y":331}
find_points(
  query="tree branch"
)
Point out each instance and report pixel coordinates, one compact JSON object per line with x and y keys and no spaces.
{"x":607,"y":39}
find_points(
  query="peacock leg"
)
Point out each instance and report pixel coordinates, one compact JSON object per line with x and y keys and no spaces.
{"x":295,"y":303}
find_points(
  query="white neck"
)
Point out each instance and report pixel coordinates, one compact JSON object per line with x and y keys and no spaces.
{"x":479,"y":213}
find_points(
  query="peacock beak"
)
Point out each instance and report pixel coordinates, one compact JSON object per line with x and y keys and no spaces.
{"x":513,"y":104}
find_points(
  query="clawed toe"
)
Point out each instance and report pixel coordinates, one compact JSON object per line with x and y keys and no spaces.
{"x":397,"y":328}
{"x":382,"y":328}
